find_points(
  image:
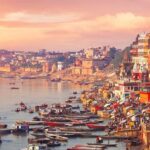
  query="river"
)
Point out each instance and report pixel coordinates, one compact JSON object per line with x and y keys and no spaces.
{"x":34,"y":92}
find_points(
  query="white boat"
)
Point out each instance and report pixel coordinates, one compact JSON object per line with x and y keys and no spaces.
{"x":36,"y":147}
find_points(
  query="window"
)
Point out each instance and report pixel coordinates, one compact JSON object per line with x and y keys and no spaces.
{"x":136,"y":88}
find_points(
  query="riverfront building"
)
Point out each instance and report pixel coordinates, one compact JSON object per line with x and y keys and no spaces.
{"x":137,"y":82}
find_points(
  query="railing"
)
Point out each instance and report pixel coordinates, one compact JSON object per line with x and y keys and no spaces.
{"x":146,"y":126}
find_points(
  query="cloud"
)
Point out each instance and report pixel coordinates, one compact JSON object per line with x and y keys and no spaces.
{"x":70,"y":30}
{"x":38,"y":18}
{"x":125,"y":22}
{"x":76,"y":21}
{"x":119,"y":21}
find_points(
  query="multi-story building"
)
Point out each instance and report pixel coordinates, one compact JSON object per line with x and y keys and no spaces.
{"x":139,"y":81}
{"x":140,"y":53}
{"x":46,"y":67}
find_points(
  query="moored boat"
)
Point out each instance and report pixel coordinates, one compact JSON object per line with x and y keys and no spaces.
{"x":14,"y":88}
{"x":96,"y":127}
{"x":75,"y":92}
{"x":31,"y":111}
{"x":53,"y":144}
{"x":38,"y":135}
{"x":56,"y":80}
{"x":30,"y":122}
{"x":56,"y":137}
{"x":87,"y":147}
{"x":36,"y":147}
{"x":54,"y":124}
{"x":107,"y":145}
{"x":38,"y":140}
{"x":17,"y":110}
{"x":3,"y":126}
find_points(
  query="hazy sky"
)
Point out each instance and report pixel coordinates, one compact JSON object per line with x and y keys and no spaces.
{"x":71,"y":24}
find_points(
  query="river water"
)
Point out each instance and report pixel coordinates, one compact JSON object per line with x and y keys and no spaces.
{"x":34,"y":92}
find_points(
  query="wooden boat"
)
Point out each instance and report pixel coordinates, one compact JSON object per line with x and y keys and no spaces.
{"x":12,"y":83}
{"x":56,"y":80}
{"x":28,"y":77}
{"x":38,"y":140}
{"x":96,"y":127}
{"x":75,"y":107}
{"x":39,"y":130}
{"x":54,"y":124}
{"x":77,"y":117}
{"x":72,"y":97}
{"x":5,"y":131}
{"x":77,"y":124}
{"x":75,"y":92}
{"x":53,"y":144}
{"x":17,"y":110}
{"x":31,"y":111}
{"x":71,"y":133}
{"x":14,"y":88}
{"x":37,"y":147}
{"x":3,"y":126}
{"x":56,"y":137}
{"x":23,"y":108}
{"x":81,"y":122}
{"x":87,"y":147}
{"x":68,"y":101}
{"x":68,"y":135}
{"x":22,"y":104}
{"x":134,"y":142}
{"x":80,"y":116}
{"x":21,"y":129}
{"x":76,"y":129}
{"x":30,"y":122}
{"x":36,"y":118}
{"x":94,"y":121}
{"x":44,"y":113}
{"x":38,"y":135}
{"x":107,"y":145}
{"x":59,"y":119}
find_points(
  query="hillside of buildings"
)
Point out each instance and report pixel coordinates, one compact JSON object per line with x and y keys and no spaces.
{"x":83,"y":65}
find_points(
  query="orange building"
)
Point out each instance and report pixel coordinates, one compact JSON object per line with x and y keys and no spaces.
{"x":145,"y":92}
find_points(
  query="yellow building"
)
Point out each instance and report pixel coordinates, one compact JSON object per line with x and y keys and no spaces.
{"x":32,"y":70}
{"x":46,"y":67}
{"x":77,"y":70}
{"x":6,"y":68}
{"x":54,"y":68}
{"x":87,"y":71}
{"x":87,"y":63}
{"x":89,"y":53}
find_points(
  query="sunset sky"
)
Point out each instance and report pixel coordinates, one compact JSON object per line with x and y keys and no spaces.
{"x":71,"y":24}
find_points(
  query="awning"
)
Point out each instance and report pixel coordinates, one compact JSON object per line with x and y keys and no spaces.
{"x":106,"y":105}
{"x":123,"y":121}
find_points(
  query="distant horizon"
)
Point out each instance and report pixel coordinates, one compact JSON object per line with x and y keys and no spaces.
{"x":71,"y":25}
{"x":60,"y":51}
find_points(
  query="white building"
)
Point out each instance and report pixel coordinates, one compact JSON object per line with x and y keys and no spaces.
{"x":60,"y":65}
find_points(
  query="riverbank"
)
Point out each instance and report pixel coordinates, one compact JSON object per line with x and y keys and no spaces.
{"x":126,"y":118}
